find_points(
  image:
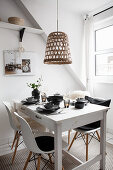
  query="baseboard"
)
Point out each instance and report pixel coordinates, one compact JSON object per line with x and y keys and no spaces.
{"x":109,"y":130}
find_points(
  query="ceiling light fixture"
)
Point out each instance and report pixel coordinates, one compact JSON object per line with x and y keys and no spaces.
{"x":57,"y":47}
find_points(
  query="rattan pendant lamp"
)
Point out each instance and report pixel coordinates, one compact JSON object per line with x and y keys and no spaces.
{"x":57,"y":47}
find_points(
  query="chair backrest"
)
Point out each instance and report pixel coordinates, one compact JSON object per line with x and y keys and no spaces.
{"x":27,"y":134}
{"x":101,"y":102}
{"x":9,"y":111}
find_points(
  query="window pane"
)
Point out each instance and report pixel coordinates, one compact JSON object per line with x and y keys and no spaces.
{"x":104,"y":38}
{"x":104,"y":64}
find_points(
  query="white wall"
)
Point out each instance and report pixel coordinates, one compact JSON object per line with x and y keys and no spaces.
{"x":71,"y":23}
{"x":55,"y":78}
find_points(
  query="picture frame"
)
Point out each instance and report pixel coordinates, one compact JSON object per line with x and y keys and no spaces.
{"x":18,"y":63}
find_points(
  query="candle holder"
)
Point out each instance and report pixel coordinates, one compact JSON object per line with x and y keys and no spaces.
{"x":43,"y":97}
{"x":66,"y":103}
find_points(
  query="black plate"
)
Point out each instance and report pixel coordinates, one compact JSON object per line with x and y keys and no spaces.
{"x":47,"y":111}
{"x":24,"y":102}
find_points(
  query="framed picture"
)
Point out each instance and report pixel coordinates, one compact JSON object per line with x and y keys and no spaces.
{"x":16,"y":63}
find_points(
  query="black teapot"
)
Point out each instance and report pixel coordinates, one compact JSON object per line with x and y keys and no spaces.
{"x":80,"y":103}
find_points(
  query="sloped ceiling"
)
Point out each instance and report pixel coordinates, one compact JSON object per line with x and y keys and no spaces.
{"x":80,"y":6}
{"x":83,"y":6}
{"x":48,"y":8}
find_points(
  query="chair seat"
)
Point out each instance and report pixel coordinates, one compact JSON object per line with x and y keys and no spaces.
{"x":84,"y":131}
{"x":86,"y":128}
{"x":90,"y":126}
{"x":45,"y":143}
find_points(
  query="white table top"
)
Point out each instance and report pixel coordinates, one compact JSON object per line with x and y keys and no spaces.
{"x":70,"y":112}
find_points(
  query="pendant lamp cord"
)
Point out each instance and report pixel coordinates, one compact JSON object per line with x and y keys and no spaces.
{"x":57,"y":15}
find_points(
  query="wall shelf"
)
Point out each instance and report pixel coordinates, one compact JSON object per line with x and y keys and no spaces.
{"x":19,"y":27}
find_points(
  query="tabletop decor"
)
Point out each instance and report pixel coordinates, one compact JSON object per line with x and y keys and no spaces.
{"x":66,"y":103}
{"x":43,"y":97}
{"x":79,"y":104}
{"x":29,"y":101}
{"x":35,"y":87}
{"x":55,"y":99}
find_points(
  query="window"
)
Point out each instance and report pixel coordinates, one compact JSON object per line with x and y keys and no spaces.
{"x":104,"y":51}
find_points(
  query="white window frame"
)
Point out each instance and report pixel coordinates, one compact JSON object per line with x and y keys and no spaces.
{"x":97,"y":26}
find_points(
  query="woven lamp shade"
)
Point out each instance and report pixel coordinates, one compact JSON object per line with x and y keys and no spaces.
{"x":57,"y":49}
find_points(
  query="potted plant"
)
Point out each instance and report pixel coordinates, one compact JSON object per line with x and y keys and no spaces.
{"x":35,"y":87}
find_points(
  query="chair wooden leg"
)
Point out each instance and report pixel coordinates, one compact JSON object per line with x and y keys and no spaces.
{"x":15,"y":137}
{"x":73,"y":140}
{"x":50,"y":158}
{"x":69,"y":132}
{"x":62,"y":168}
{"x":98,"y":135}
{"x":28,"y":158}
{"x":86,"y":147}
{"x":38,"y":165}
{"x":18,"y":137}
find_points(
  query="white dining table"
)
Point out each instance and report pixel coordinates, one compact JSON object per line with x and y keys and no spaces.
{"x":70,"y":118}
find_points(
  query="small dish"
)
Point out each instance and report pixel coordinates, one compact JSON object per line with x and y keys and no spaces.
{"x":30,"y":99}
{"x":48,"y":105}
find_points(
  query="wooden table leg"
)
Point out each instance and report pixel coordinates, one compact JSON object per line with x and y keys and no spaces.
{"x":103,"y":141}
{"x":58,"y":146}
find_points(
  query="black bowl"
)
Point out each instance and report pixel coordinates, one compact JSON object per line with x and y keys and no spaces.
{"x":79,"y":105}
{"x":56,"y":99}
{"x":48,"y":105}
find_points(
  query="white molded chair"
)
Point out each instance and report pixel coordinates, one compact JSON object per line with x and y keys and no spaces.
{"x":90,"y":129}
{"x":40,"y":143}
{"x":15,"y":124}
{"x":85,"y":136}
{"x":73,"y":96}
